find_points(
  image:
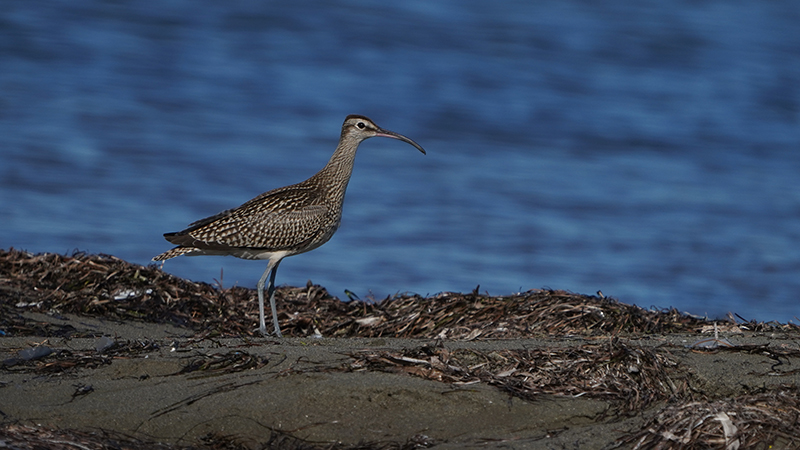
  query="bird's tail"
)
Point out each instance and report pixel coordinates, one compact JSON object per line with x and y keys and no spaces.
{"x":177,"y":251}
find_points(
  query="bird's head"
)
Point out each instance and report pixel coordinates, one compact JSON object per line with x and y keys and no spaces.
{"x":360,"y":128}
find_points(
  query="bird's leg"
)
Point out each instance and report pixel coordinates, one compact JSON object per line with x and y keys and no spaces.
{"x":272,"y":269}
{"x":272,"y":300}
{"x":260,"y":288}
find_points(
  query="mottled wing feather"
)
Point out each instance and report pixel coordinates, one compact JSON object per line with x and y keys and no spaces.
{"x":202,"y":222}
{"x":271,"y":231}
{"x":177,"y":251}
{"x":285,"y":218}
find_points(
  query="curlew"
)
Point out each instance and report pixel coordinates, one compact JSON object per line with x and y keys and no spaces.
{"x":285,"y":221}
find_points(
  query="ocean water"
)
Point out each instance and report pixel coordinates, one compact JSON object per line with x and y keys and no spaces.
{"x":650,"y":150}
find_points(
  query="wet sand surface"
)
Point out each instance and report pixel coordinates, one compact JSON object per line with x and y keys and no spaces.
{"x":310,"y":389}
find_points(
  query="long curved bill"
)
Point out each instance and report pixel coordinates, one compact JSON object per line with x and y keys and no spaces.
{"x":391,"y":134}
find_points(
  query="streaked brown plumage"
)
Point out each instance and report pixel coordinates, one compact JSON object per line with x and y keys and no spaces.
{"x":284,"y":221}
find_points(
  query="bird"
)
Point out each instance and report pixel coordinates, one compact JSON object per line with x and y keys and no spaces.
{"x":285,"y":221}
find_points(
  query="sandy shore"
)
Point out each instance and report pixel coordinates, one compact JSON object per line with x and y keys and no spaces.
{"x":100,"y":353}
{"x":314,"y":390}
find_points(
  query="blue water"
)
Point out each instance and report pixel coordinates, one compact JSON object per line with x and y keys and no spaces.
{"x":647,"y":149}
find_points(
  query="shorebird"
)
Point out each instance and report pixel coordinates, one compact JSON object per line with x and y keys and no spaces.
{"x":285,"y":221}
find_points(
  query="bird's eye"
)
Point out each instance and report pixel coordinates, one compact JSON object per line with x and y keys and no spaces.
{"x":361,"y":125}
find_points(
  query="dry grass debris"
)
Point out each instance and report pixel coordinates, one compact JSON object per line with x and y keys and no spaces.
{"x":768,"y":420}
{"x":628,"y":376}
{"x":106,"y":286}
{"x":20,"y":437}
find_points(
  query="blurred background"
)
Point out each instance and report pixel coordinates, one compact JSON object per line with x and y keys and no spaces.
{"x":647,"y":149}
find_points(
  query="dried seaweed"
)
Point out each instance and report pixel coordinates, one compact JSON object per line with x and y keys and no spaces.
{"x":20,"y":437}
{"x":36,"y":437}
{"x":63,"y":360}
{"x":470,"y":316}
{"x":628,"y":376}
{"x":752,"y":421}
{"x":779,"y":355}
{"x":222,"y":363}
{"x":106,"y":286}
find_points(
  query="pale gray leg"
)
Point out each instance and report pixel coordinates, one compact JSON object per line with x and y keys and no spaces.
{"x":272,"y":301}
{"x":262,"y":325}
{"x":260,"y":288}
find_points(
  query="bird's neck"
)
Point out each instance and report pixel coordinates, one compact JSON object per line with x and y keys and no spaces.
{"x":339,"y":168}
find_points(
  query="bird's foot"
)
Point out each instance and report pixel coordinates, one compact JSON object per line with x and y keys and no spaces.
{"x":265,"y":333}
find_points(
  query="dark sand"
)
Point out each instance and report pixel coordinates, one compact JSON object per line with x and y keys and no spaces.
{"x":303,"y":390}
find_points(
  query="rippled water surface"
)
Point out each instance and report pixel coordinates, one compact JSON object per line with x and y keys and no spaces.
{"x":650,"y":150}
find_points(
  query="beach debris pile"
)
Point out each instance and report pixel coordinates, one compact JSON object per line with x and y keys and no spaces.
{"x":629,"y":377}
{"x":106,"y":286}
{"x":749,"y":421}
{"x":28,"y":437}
